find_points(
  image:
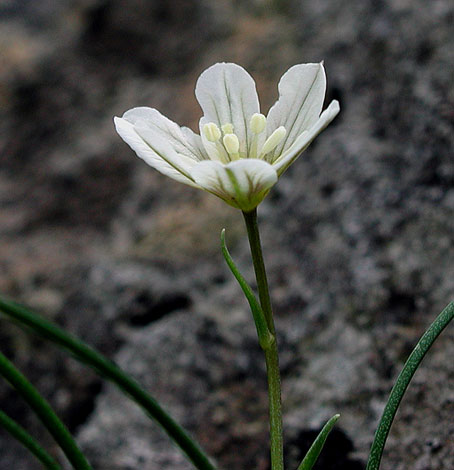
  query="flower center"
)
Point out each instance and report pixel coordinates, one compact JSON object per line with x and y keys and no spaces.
{"x":228,"y":148}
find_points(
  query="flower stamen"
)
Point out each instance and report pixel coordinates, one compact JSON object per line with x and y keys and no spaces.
{"x":257,"y":125}
{"x":232,"y":145}
{"x":273,"y":141}
{"x":211,"y":132}
{"x":227,"y":128}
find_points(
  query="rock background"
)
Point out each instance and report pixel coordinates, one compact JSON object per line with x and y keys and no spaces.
{"x":357,"y":235}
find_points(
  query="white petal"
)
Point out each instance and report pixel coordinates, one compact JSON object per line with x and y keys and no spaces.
{"x":242,"y":183}
{"x":301,"y":95}
{"x":170,"y":165}
{"x":195,"y":141}
{"x":306,"y":138}
{"x":227,"y":94}
{"x":184,"y":142}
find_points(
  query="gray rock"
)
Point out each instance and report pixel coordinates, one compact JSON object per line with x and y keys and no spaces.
{"x":357,"y":234}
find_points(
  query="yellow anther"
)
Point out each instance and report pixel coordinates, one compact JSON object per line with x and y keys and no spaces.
{"x":257,"y":123}
{"x":211,"y":132}
{"x":231,"y":144}
{"x":273,"y":140}
{"x":227,"y":128}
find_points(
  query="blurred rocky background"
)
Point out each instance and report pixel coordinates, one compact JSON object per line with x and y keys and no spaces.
{"x":357,"y":235}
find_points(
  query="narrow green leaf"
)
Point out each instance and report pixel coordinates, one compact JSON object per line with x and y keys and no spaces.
{"x":44,"y":412}
{"x":85,"y":354}
{"x":402,"y":382}
{"x":265,"y":337}
{"x":22,"y":436}
{"x":317,"y":446}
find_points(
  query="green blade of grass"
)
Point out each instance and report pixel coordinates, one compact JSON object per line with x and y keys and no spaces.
{"x":402,"y":382}
{"x":84,"y":353}
{"x":44,"y":412}
{"x":317,"y":446}
{"x":22,"y":436}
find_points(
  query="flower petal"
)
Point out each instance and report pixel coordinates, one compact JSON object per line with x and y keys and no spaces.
{"x":242,"y":183}
{"x":227,"y":94}
{"x":160,"y":156}
{"x":306,"y":138}
{"x":183,"y":140}
{"x":195,"y":142}
{"x":301,"y":95}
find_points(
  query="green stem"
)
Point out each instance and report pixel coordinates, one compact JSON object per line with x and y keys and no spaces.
{"x":112,"y":372}
{"x":274,"y":397}
{"x":259,"y":266}
{"x":402,"y":383}
{"x":271,"y":352}
{"x":45,"y":413}
{"x":22,"y":436}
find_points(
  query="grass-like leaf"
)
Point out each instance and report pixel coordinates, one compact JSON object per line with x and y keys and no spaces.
{"x":22,"y":436}
{"x":84,"y":353}
{"x":317,"y":446}
{"x":265,"y":337}
{"x":397,"y":392}
{"x":44,"y":412}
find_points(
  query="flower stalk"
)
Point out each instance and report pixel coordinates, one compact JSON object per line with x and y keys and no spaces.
{"x":271,"y":351}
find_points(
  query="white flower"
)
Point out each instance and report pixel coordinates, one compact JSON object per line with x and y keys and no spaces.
{"x":239,"y":154}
